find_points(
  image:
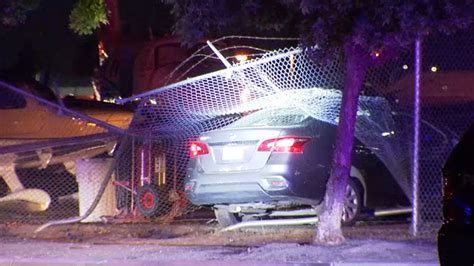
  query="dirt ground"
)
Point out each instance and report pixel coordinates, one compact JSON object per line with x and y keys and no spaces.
{"x":203,"y":232}
{"x":387,"y":241}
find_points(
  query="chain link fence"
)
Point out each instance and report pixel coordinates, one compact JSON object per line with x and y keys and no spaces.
{"x":447,"y":111}
{"x":63,"y":156}
{"x":41,"y":145}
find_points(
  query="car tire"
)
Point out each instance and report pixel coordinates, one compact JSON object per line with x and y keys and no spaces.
{"x":226,"y":218}
{"x":149,"y":200}
{"x":352,"y":203}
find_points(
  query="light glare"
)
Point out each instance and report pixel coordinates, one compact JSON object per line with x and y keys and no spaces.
{"x":241,"y":58}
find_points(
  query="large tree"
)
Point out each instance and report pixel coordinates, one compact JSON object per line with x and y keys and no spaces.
{"x":366,"y":32}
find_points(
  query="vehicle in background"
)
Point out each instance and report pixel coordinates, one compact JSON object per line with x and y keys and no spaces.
{"x":116,"y":115}
{"x":278,"y":160}
{"x":119,"y":116}
{"x":39,"y":134}
{"x":456,"y":235}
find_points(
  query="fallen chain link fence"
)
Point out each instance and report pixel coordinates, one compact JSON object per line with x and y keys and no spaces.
{"x":60,"y":157}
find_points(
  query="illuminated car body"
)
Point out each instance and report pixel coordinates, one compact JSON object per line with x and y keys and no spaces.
{"x":280,"y":158}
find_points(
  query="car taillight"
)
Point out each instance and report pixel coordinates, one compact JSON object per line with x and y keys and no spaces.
{"x":197,"y":148}
{"x":284,"y":144}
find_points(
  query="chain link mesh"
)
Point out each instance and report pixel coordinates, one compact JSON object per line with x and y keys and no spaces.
{"x":40,"y":143}
{"x":172,"y":116}
{"x":149,"y":173}
{"x":447,"y":101}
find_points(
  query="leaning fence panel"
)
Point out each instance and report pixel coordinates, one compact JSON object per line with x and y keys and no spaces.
{"x":65,"y":157}
{"x":173,"y":115}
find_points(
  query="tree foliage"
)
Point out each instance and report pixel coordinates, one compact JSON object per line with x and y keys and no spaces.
{"x":207,"y":18}
{"x":15,"y":12}
{"x":381,"y":26}
{"x":371,"y":24}
{"x":87,"y":15}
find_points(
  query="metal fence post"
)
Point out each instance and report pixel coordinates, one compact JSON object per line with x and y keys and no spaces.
{"x":416,"y":134}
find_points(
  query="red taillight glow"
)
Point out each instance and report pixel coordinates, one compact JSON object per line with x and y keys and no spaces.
{"x":284,"y":144}
{"x":197,"y":148}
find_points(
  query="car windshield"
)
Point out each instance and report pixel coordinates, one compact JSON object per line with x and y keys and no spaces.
{"x":272,"y":118}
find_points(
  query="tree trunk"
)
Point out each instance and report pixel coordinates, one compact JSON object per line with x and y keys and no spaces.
{"x":328,"y":231}
{"x":111,"y":34}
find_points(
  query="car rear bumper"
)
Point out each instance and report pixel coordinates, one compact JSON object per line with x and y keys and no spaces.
{"x":272,"y":184}
{"x":210,"y":194}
